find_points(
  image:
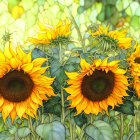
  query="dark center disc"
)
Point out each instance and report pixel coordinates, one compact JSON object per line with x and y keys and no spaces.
{"x":98,"y":86}
{"x":16,"y":86}
{"x":137,"y":60}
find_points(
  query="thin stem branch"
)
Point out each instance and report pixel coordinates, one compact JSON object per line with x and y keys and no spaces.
{"x":70,"y":126}
{"x":135,"y":136}
{"x":132,"y":134}
{"x":31,"y":127}
{"x":91,"y":118}
{"x":121,"y":130}
{"x":63,"y":107}
{"x":60,"y":53}
{"x":79,"y":33}
{"x":42,"y":118}
{"x":50,"y":117}
{"x":73,"y":134}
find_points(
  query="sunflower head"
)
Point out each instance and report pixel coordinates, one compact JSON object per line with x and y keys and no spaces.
{"x":134,"y":59}
{"x":47,"y":34}
{"x":22,"y":85}
{"x":134,"y":62}
{"x":111,"y":40}
{"x":97,"y":86}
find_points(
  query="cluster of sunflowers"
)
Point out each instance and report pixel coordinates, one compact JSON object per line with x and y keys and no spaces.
{"x":96,"y":86}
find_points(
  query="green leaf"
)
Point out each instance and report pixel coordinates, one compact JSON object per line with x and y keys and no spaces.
{"x":127,"y":107}
{"x":51,"y":131}
{"x":80,"y":120}
{"x":53,"y":106}
{"x":99,"y":130}
{"x":5,"y":136}
{"x":57,"y":70}
{"x":69,"y":68}
{"x":55,"y":65}
{"x":37,"y":53}
{"x":73,"y":60}
{"x":13,"y":130}
{"x":23,"y":132}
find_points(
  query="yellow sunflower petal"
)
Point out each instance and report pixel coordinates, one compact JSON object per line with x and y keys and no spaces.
{"x":13,"y":114}
{"x":27,"y":67}
{"x":1,"y":101}
{"x":39,"y":61}
{"x":97,"y":62}
{"x":104,"y":62}
{"x":2,"y":56}
{"x":7,"y":52}
{"x":6,"y":109}
{"x":21,"y":108}
{"x":15,"y":63}
{"x":84,"y":65}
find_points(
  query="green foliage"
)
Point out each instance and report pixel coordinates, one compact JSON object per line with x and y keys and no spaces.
{"x":105,"y":12}
{"x":23,"y":132}
{"x":80,"y":120}
{"x":37,"y":53}
{"x":5,"y":135}
{"x":127,"y":107}
{"x":99,"y":130}
{"x":53,"y":106}
{"x":51,"y":131}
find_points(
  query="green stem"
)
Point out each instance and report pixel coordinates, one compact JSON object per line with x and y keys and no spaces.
{"x":50,"y":117}
{"x":70,"y":126}
{"x":42,"y":119}
{"x":135,"y":127}
{"x":121,"y":130}
{"x":73,"y":134}
{"x":63,"y":107}
{"x":60,"y":53}
{"x":31,"y":127}
{"x":82,"y":132}
{"x":136,"y":120}
{"x":79,"y":33}
{"x":62,"y":94}
{"x":131,"y":135}
{"x":91,"y":118}
{"x":39,"y":115}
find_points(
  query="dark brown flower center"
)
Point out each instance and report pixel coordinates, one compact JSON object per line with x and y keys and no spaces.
{"x":16,"y":86}
{"x":137,"y":60}
{"x":98,"y":86}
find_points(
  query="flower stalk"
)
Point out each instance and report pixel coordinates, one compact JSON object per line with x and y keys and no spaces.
{"x":121,"y":130}
{"x":61,"y":92}
{"x":63,"y":107}
{"x":31,"y":127}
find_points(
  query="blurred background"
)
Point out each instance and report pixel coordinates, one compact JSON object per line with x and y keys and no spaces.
{"x":20,"y":17}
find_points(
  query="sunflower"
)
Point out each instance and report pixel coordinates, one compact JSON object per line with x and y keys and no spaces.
{"x":134,"y":62}
{"x":97,"y":86}
{"x":115,"y":39}
{"x":22,"y":85}
{"x":47,"y":34}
